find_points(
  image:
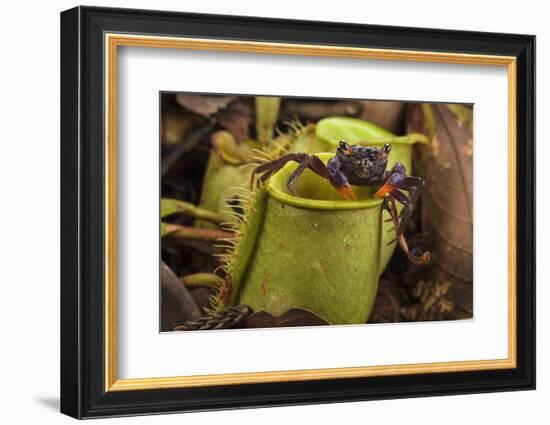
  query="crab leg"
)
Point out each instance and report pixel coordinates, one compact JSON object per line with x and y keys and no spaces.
{"x":339,"y":180}
{"x":304,"y":161}
{"x":311,"y":162}
{"x":265,"y":171}
{"x":395,"y":183}
{"x":389,"y":205}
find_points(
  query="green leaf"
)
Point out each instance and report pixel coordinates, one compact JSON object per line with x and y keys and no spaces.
{"x":352,"y":130}
{"x":361,"y":132}
{"x":231,"y":151}
{"x":175,"y":206}
{"x":267,"y":113}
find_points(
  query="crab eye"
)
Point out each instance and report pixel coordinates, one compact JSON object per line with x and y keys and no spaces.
{"x":384,"y":151}
{"x":344,"y":148}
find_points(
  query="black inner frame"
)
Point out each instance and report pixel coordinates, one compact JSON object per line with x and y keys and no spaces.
{"x":82,"y":211}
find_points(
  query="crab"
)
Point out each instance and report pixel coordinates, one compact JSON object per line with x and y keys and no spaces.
{"x":360,"y":166}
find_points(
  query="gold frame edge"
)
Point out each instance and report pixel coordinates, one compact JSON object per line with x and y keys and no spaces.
{"x":113,"y":41}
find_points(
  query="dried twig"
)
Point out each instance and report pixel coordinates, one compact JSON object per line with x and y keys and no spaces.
{"x":224,"y":319}
{"x":194,"y":233}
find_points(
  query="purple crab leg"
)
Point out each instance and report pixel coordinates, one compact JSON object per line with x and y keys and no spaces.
{"x":304,"y":161}
{"x":339,"y":180}
{"x":389,"y":205}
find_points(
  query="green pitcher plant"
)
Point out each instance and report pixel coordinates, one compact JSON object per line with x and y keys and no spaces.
{"x":312,"y":250}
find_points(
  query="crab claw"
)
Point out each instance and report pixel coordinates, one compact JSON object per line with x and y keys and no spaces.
{"x":347,"y":192}
{"x":384,"y":189}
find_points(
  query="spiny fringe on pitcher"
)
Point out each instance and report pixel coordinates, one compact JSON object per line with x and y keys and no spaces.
{"x":237,"y":250}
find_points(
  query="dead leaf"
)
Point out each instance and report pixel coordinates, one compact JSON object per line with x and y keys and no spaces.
{"x":261,"y":319}
{"x":292,"y":317}
{"x":176,"y":125}
{"x":236,"y":118}
{"x":388,"y":115}
{"x":447,"y":202}
{"x":204,"y":105}
{"x":299,"y":317}
{"x":178,"y":305}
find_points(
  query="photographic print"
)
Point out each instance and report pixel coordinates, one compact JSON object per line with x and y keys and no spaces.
{"x":321,"y":232}
{"x":291,"y":211}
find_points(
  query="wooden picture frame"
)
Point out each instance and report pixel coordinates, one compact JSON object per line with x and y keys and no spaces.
{"x":90,"y":39}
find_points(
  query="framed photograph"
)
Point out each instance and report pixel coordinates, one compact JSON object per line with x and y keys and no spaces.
{"x":261,"y":212}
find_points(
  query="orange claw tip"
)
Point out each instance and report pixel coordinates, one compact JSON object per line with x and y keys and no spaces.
{"x":383,"y":190}
{"x":347,"y":192}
